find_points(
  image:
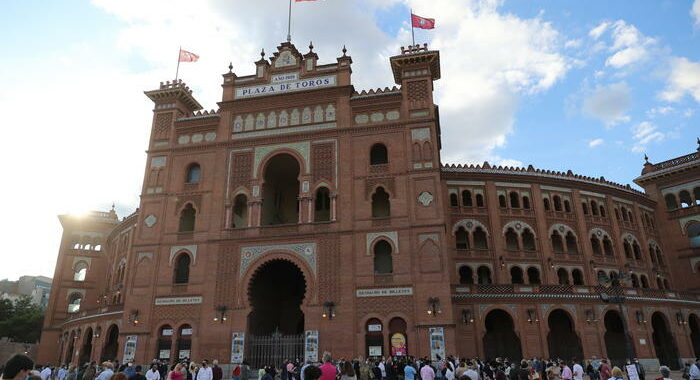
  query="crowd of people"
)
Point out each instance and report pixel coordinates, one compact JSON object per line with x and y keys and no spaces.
{"x":21,"y":367}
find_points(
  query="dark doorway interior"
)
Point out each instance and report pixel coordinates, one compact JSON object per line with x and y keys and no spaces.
{"x":276,"y":293}
{"x":664,"y":342}
{"x":281,"y":191}
{"x":111,"y":348}
{"x":615,"y":338}
{"x":86,"y":350}
{"x":562,"y":339}
{"x":695,"y":334}
{"x":500,"y":339}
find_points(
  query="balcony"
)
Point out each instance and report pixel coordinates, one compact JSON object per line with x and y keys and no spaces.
{"x":561,"y":215}
{"x":516,"y":212}
{"x":94,"y":312}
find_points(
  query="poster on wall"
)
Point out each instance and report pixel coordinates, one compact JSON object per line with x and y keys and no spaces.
{"x":437,"y":342}
{"x":237,"y":347}
{"x":398,"y":345}
{"x":183,"y":354}
{"x":130,"y":347}
{"x":375,"y":351}
{"x":164,"y":354}
{"x":311,"y":346}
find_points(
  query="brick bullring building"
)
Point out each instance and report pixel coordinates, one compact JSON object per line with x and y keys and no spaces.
{"x":304,"y":216}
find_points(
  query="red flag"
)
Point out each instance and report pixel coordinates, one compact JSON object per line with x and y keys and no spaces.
{"x":422,"y":22}
{"x":186,"y":56}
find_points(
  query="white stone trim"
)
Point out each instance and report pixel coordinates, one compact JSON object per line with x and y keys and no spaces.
{"x":372,"y":236}
{"x":177,"y":248}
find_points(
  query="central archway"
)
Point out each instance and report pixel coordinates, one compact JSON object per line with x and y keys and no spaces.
{"x":500,"y":339}
{"x":111,"y":347}
{"x":281,"y":190}
{"x":276,"y":322}
{"x":562,"y":339}
{"x":615,"y":339}
{"x":664,"y":342}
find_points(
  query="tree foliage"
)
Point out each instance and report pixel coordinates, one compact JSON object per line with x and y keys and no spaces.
{"x":21,"y":320}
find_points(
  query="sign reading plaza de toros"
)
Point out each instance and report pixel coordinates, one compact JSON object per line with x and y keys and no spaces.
{"x":284,"y":83}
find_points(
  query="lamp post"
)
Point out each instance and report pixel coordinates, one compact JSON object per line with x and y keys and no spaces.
{"x":615,"y":294}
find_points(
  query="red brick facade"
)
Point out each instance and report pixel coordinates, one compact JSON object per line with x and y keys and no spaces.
{"x":459,"y":242}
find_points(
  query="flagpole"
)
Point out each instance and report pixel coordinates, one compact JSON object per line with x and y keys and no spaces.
{"x":289,"y":23}
{"x":413,"y":35}
{"x":177,"y":71}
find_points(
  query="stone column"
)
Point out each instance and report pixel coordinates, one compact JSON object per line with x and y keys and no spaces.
{"x":333,"y":205}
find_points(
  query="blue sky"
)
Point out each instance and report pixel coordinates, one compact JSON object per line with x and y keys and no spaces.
{"x":583,"y":85}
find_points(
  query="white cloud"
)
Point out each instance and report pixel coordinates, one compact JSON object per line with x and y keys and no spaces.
{"x":573,"y":44}
{"x":608,"y":103}
{"x":645,"y":133}
{"x":598,"y":31}
{"x":629,"y":45}
{"x":683,"y":79}
{"x":595,"y":142}
{"x":695,"y":12}
{"x":660,"y":110}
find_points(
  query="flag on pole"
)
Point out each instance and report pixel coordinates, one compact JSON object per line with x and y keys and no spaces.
{"x":422,"y":22}
{"x":186,"y":56}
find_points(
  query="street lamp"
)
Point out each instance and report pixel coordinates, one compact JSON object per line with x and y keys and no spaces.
{"x":220,"y":314}
{"x":614,"y":294}
{"x":328,"y":310}
{"x":434,"y":306}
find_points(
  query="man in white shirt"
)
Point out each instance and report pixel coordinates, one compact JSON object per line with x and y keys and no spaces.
{"x":382,"y":368}
{"x":107,"y":371}
{"x":578,"y":370}
{"x":153,"y":373}
{"x":62,"y":372}
{"x":472,"y":373}
{"x":695,"y":370}
{"x":45,"y":373}
{"x":205,"y":372}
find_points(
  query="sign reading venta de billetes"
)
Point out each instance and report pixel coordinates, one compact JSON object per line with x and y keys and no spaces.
{"x":178,"y":301}
{"x":383,"y":292}
{"x":284,"y":83}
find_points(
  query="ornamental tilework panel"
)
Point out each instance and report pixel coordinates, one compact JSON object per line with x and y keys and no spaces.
{"x":163,"y":123}
{"x":384,"y":305}
{"x":417,"y":91}
{"x":302,"y":148}
{"x":176,"y":313}
{"x":226,"y":275}
{"x":242,"y":166}
{"x":329,"y":262}
{"x":323,"y":161}
{"x":306,"y":251}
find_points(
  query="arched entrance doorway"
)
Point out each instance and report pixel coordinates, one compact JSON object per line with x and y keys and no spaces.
{"x":562,"y":339}
{"x":664,"y":342}
{"x":86,"y":350}
{"x":111,"y":347}
{"x":165,"y":343}
{"x":500,"y":339}
{"x":281,"y":191}
{"x":398,"y":340}
{"x":374,"y":338}
{"x":615,"y":342}
{"x":276,"y":323}
{"x":694,"y":334}
{"x":71,"y":348}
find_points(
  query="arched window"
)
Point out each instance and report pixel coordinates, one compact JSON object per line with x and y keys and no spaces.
{"x":557,"y":203}
{"x":557,"y":243}
{"x":545,"y":202}
{"x":630,"y":216}
{"x":645,"y":281}
{"x":528,"y":240}
{"x":594,"y":208}
{"x":466,"y":276}
{"x":383,"y":262}
{"x":686,"y":201}
{"x":526,"y":203}
{"x":381,"y":208}
{"x":479,"y":200}
{"x":479,"y":238}
{"x":466,"y":198}
{"x":194,"y":172}
{"x":637,"y":251}
{"x":322,"y":209}
{"x":511,"y":240}
{"x":659,"y":283}
{"x":567,"y":205}
{"x":571,"y":246}
{"x":516,"y":275}
{"x":462,"y":238}
{"x":187,"y":218}
{"x":453,"y":200}
{"x":514,"y":200}
{"x":635,"y":280}
{"x":659,"y":257}
{"x":502,"y":201}
{"x":74,"y":303}
{"x":584,"y":207}
{"x":577,"y":277}
{"x":693,"y":232}
{"x":617,"y":214}
{"x":667,"y":285}
{"x":696,"y":193}
{"x":80,"y":271}
{"x":484,"y":275}
{"x":607,"y":246}
{"x":625,"y":216}
{"x":533,"y":276}
{"x":182,"y":269}
{"x":563,"y":276}
{"x":671,"y":202}
{"x":595,"y":244}
{"x":240,"y":211}
{"x":628,"y":249}
{"x":652,"y":254}
{"x":602,"y":211}
{"x":378,"y":155}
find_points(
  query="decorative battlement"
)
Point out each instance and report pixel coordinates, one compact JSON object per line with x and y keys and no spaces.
{"x":175,"y":84}
{"x":416,"y":57}
{"x":175,"y":90}
{"x":669,"y":166}
{"x":386,"y":91}
{"x":413,"y":49}
{"x":200,"y":115}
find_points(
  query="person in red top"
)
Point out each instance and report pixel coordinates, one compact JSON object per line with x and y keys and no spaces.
{"x":328,"y":370}
{"x":605,"y":373}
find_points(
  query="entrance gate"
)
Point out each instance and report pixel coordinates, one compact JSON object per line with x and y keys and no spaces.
{"x":267,"y":350}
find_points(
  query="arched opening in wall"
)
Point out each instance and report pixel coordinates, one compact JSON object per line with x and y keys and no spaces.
{"x":637,"y":251}
{"x":644,"y":282}
{"x":567,"y":205}
{"x":511,"y":240}
{"x":480,"y":238}
{"x":74,"y":302}
{"x":383,"y":262}
{"x":322,"y":208}
{"x":617,"y":214}
{"x":466,"y":277}
{"x":184,"y":342}
{"x":625,"y":216}
{"x":594,"y":208}
{"x":577,"y":277}
{"x":374,"y":338}
{"x":562,"y":339}
{"x":595,"y":245}
{"x":528,"y":240}
{"x":563,"y":276}
{"x":381,"y":208}
{"x":502,"y":201}
{"x":693,"y":232}
{"x":607,"y":246}
{"x":664,"y":342}
{"x":602,"y":211}
{"x":571,"y":246}
{"x":694,"y":325}
{"x":461,"y":238}
{"x":557,"y":243}
{"x":427,"y":151}
{"x":453,"y":200}
{"x":187,"y":218}
{"x":635,"y":280}
{"x":194,"y":172}
{"x":181,"y":272}
{"x":500,"y":340}
{"x":533,"y":276}
{"x":526,"y":203}
{"x":659,"y":283}
{"x":378,"y":155}
{"x":110,"y":351}
{"x":696,"y":193}
{"x":516,"y":276}
{"x":479,"y":200}
{"x":671,"y":202}
{"x":398,"y":341}
{"x":659,"y":257}
{"x":628,"y":249}
{"x":165,"y":343}
{"x":240,"y":211}
{"x":71,"y":347}
{"x":514,"y":200}
{"x":557,"y":203}
{"x":545,"y":203}
{"x":466,"y":198}
{"x":86,"y":350}
{"x":280,"y":203}
{"x":652,"y":254}
{"x":80,"y":271}
{"x":484,"y":275}
{"x":667,"y":285}
{"x":615,"y":343}
{"x":584,"y":208}
{"x":685,"y":199}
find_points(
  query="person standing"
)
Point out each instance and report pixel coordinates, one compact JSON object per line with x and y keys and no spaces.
{"x":217,"y":373}
{"x":153,"y":373}
{"x":205,"y":372}
{"x":137,"y":373}
{"x":409,"y":372}
{"x":17,"y":367}
{"x":107,"y":371}
{"x":45,"y":373}
{"x":427,"y":372}
{"x":577,"y":370}
{"x":565,"y":371}
{"x":605,"y":371}
{"x":328,"y":370}
{"x":695,"y":370}
{"x":348,"y":372}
